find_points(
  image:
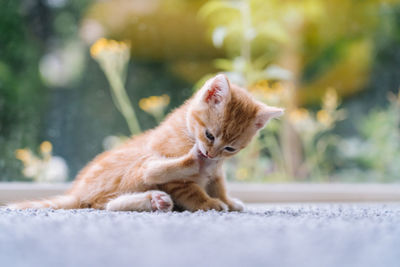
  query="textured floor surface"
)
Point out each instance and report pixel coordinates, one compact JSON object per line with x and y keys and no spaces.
{"x":282,"y":235}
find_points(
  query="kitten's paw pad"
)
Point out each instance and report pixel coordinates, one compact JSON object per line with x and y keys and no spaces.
{"x":161,"y":201}
{"x":235,"y":204}
{"x":214,"y":204}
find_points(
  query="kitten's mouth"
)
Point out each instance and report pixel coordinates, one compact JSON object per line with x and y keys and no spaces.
{"x":201,"y":154}
{"x":204,"y":156}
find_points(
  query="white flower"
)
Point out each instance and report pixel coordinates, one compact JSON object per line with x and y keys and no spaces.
{"x":54,"y":170}
{"x":352,"y":147}
{"x":218,"y":36}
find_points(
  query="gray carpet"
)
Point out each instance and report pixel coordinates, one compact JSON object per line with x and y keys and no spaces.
{"x":284,"y":235}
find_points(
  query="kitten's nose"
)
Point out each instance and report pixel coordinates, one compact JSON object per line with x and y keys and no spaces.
{"x":209,"y":155}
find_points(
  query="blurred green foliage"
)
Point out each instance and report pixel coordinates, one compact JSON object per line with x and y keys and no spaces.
{"x":288,"y":53}
{"x":21,"y":92}
{"x":28,"y":29}
{"x":317,"y":41}
{"x":309,"y":46}
{"x":373,"y":156}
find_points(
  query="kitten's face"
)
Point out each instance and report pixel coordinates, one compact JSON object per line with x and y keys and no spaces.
{"x":224,"y":119}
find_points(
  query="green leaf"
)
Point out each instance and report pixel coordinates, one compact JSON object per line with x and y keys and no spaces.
{"x":223,"y":64}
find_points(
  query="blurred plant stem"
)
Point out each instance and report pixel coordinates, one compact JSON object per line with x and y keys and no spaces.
{"x":246,"y":41}
{"x":113,"y":58}
{"x":291,"y":143}
{"x":121,"y":101}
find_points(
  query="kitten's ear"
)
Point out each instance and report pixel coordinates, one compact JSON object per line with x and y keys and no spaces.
{"x":265,"y":114}
{"x":216,"y":90}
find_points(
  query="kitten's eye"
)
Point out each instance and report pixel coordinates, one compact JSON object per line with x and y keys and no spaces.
{"x":210,"y":136}
{"x":230,"y":149}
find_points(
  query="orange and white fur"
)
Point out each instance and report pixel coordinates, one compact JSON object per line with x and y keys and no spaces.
{"x":179,"y":162}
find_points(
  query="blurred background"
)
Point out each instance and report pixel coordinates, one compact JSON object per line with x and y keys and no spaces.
{"x":79,"y":76}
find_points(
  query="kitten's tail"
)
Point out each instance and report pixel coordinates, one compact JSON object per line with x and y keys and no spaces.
{"x":57,"y":202}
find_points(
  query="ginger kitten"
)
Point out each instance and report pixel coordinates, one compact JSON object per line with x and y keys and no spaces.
{"x":180,"y":159}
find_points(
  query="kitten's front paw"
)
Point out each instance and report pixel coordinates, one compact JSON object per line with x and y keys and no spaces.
{"x":194,"y":157}
{"x":214,"y":204}
{"x":161,"y":201}
{"x":235,"y":204}
{"x":194,"y":152}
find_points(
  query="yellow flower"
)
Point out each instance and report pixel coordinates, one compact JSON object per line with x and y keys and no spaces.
{"x":264,"y":88}
{"x":260,"y":86}
{"x":330,"y":100}
{"x":272,"y":94}
{"x":299,"y":114}
{"x":107,"y":45}
{"x":46,"y":147}
{"x":324,"y":117}
{"x":23,"y":155}
{"x":154,"y":105}
{"x":98,"y":46}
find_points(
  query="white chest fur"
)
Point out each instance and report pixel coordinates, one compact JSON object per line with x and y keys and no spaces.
{"x":208,"y":171}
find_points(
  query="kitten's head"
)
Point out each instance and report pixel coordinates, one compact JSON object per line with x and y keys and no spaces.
{"x":223,"y":118}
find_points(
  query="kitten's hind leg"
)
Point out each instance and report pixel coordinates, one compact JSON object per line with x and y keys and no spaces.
{"x":190,"y":196}
{"x":147,"y":201}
